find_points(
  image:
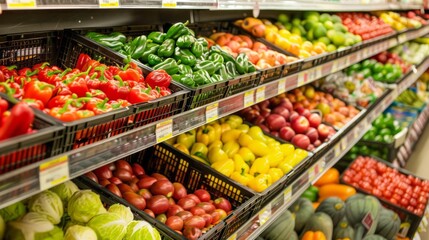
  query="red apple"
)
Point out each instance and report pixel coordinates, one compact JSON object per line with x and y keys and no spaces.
{"x":286,"y":133}
{"x":287,"y":104}
{"x":301,"y":141}
{"x":282,"y":111}
{"x":300,"y":124}
{"x":312,"y":134}
{"x":315,"y":120}
{"x":317,"y":143}
{"x":323,"y":131}
{"x":275,"y":133}
{"x":263,"y":127}
{"x":259,"y":120}
{"x":293,"y":116}
{"x":251,"y":115}
{"x":275,"y":122}
{"x":265,"y":112}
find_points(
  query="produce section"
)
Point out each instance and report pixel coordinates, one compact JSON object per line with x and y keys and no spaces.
{"x":250,"y":172}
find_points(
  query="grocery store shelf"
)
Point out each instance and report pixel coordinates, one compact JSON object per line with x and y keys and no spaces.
{"x":269,"y":213}
{"x":212,"y":5}
{"x":29,"y":180}
{"x":314,"y":5}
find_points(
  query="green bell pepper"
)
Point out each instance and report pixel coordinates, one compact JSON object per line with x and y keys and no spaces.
{"x":157,"y":37}
{"x":169,"y":65}
{"x":112,"y":37}
{"x":138,"y":46}
{"x":197,"y":49}
{"x":185,"y":69}
{"x":216,"y":57}
{"x":185,"y":41}
{"x":153,"y":59}
{"x":216,"y":78}
{"x":311,"y":193}
{"x":223,"y":73}
{"x":241,"y":63}
{"x":206,"y":65}
{"x":226,"y":56}
{"x":203,"y":41}
{"x":167,"y":48}
{"x":230,"y":69}
{"x":177,"y":30}
{"x":250,"y":67}
{"x":151,"y":48}
{"x":201,"y":77}
{"x":185,"y":79}
{"x":185,"y":56}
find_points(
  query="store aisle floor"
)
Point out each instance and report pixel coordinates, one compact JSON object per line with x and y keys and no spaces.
{"x":419,"y":164}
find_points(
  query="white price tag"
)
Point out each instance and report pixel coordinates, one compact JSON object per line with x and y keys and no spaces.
{"x":260,"y":94}
{"x":347,"y":60}
{"x":164,"y":130}
{"x":302,"y":78}
{"x":54,"y":172}
{"x":265,"y":214}
{"x":108,"y":3}
{"x":402,"y":38}
{"x":314,"y":171}
{"x":21,"y":4}
{"x":212,"y":112}
{"x":256,"y":9}
{"x":281,"y":88}
{"x":318,"y":72}
{"x":337,"y":149}
{"x":334,"y":66}
{"x":287,"y":195}
{"x":249,"y":98}
{"x":414,"y":69}
{"x":169,"y":3}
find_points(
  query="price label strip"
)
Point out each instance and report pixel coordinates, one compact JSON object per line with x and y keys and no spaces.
{"x":164,"y":130}
{"x":318,"y":72}
{"x":169,"y":3}
{"x":337,"y":149}
{"x":108,"y":3}
{"x":21,"y":4}
{"x":54,"y":172}
{"x":212,"y":112}
{"x":315,"y":170}
{"x":334,"y":67}
{"x":265,"y":214}
{"x":402,"y":38}
{"x":287,"y":195}
{"x":281,"y":88}
{"x":260,"y":94}
{"x":249,"y":98}
{"x":302,"y":78}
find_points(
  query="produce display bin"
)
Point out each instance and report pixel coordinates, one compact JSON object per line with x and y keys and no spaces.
{"x":25,"y":149}
{"x":179,"y":167}
{"x":109,"y":199}
{"x":267,"y":75}
{"x":196,"y":96}
{"x":410,"y":221}
{"x":63,"y":49}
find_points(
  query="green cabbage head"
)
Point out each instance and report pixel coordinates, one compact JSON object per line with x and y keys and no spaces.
{"x":137,"y":230}
{"x":49,"y":204}
{"x":13,"y":211}
{"x":108,"y":226}
{"x":84,"y":205}
{"x":33,"y":226}
{"x":121,"y":210}
{"x":78,"y":232}
{"x":65,"y":191}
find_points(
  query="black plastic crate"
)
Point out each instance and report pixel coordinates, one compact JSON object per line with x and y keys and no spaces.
{"x":267,"y":75}
{"x":179,"y":167}
{"x":109,"y":199}
{"x":406,"y":216}
{"x":63,"y":49}
{"x":25,"y":149}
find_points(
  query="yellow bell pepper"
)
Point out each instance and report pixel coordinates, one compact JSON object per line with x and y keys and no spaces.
{"x":225,"y":127}
{"x":199,"y":148}
{"x":259,"y":148}
{"x":181,"y":148}
{"x":287,"y":149}
{"x":243,"y":128}
{"x":260,"y":182}
{"x":259,"y":166}
{"x":226,"y":166}
{"x":244,"y":139}
{"x":241,"y":177}
{"x":200,"y":160}
{"x":171,"y":141}
{"x":256,"y":133}
{"x":274,"y":158}
{"x":234,"y":121}
{"x":230,"y":135}
{"x":187,"y":139}
{"x":231,"y":148}
{"x":216,"y":154}
{"x":216,"y":143}
{"x":206,"y":134}
{"x":218,"y":130}
{"x":239,"y":164}
{"x":247,"y":155}
{"x":285,"y":166}
{"x":275,"y":173}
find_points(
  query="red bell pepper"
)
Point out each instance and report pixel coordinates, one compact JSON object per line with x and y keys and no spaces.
{"x":40,"y":66}
{"x":164,"y":91}
{"x":115,"y":89}
{"x":61,"y":89}
{"x":158,"y":78}
{"x":120,"y":103}
{"x":96,"y":93}
{"x":82,"y":60}
{"x":20,"y":119}
{"x":11,"y":89}
{"x":34,"y":103}
{"x":2,"y":78}
{"x":131,"y":74}
{"x":60,"y":100}
{"x":99,"y":106}
{"x":39,"y":90}
{"x":139,"y":94}
{"x":27,"y":72}
{"x":66,"y":113}
{"x":85,"y":114}
{"x":49,"y":75}
{"x":134,"y":66}
{"x":9,"y":72}
{"x":93,"y":82}
{"x":4,"y":106}
{"x":91,"y":64}
{"x":101,"y":72}
{"x":78,"y":85}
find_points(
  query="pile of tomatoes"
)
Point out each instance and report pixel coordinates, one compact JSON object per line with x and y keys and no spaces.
{"x":387,"y":183}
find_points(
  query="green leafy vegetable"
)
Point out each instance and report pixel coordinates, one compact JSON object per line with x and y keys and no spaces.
{"x":33,"y":226}
{"x":109,"y":226}
{"x":137,"y":230}
{"x":84,"y":205}
{"x":78,"y":232}
{"x":13,"y":211}
{"x":124,"y":212}
{"x":48,"y":204}
{"x":65,"y":191}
